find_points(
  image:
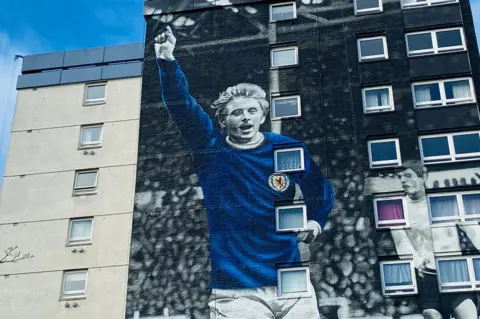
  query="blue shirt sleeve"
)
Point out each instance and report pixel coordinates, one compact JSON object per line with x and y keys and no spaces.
{"x":194,"y":124}
{"x":317,"y":191}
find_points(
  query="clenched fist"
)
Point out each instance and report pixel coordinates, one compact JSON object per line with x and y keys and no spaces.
{"x":165,"y":44}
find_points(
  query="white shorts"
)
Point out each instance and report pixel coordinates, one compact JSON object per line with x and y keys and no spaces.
{"x":260,"y":303}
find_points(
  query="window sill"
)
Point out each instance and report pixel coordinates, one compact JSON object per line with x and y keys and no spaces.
{"x":473,"y":103}
{"x":392,"y":228}
{"x":450,"y":162}
{"x":379,"y":112}
{"x":386,"y":167}
{"x":88,"y":147}
{"x":296,"y":295}
{"x":94,"y":103}
{"x":89,"y":243}
{"x":435,"y":54}
{"x":286,"y":118}
{"x":432,"y":5}
{"x":367,"y":61}
{"x":363,"y":13}
{"x":72,"y":298}
{"x":400,"y":294}
{"x":290,"y":66}
{"x":283,"y":20}
{"x":454,"y":224}
{"x":77,"y":194}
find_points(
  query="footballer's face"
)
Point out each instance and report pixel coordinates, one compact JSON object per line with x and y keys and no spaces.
{"x":411,"y":183}
{"x":242,"y":119}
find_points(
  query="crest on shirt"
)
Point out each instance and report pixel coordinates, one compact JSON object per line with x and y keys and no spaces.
{"x":278,"y":182}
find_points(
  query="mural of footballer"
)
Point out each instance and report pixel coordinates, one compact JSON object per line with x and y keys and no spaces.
{"x":236,"y":170}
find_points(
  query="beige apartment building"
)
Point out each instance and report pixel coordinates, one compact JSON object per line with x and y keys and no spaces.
{"x":69,"y":183}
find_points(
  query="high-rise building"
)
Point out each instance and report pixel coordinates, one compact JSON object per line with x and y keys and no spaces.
{"x":287,"y":159}
{"x":380,"y":97}
{"x":68,"y":189}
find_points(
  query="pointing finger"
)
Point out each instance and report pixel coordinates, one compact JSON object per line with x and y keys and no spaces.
{"x":169,"y":30}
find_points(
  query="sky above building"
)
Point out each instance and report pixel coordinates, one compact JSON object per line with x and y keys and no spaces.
{"x":32,"y":27}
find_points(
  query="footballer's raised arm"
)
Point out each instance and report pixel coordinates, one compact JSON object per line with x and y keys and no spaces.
{"x":194,"y":124}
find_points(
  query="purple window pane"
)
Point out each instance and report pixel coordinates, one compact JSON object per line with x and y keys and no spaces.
{"x":391,"y":209}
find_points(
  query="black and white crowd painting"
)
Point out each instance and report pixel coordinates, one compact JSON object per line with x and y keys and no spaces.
{"x":204,"y":240}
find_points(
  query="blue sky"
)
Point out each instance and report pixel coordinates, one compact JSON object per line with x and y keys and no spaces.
{"x":33,"y":26}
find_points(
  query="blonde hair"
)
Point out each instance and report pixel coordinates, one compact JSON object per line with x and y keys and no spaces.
{"x":241,"y":90}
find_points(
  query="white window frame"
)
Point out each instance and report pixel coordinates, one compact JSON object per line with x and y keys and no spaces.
{"x":285,"y":97}
{"x":80,"y":240}
{"x":302,"y":159}
{"x":85,"y":190}
{"x":385,"y":289}
{"x":427,"y":3}
{"x":377,"y":109}
{"x":294,"y":5}
{"x":435,"y":49}
{"x":277,"y":218}
{"x":306,"y":293}
{"x":76,"y":293}
{"x":462,"y":217}
{"x":474,"y":285}
{"x":84,"y":145}
{"x":379,"y":224}
{"x":94,"y":101}
{"x":378,"y":57}
{"x":451,"y":157}
{"x":388,"y":163}
{"x":285,"y":48}
{"x":368,"y":10}
{"x":443,"y":98}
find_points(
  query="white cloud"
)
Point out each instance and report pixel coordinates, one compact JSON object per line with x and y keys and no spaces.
{"x":9,"y":70}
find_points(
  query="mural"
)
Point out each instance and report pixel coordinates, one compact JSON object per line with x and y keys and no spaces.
{"x":204,"y":243}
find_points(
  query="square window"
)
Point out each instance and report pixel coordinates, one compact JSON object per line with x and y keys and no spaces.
{"x":291,"y":218}
{"x":454,"y":274}
{"x":378,"y":99}
{"x":284,"y":56}
{"x":398,"y":278}
{"x":451,"y":147}
{"x":466,"y":144}
{"x":80,"y":231}
{"x":419,"y":43}
{"x":450,"y":39}
{"x":384,"y":153}
{"x":289,"y":160}
{"x":390,"y":212}
{"x":368,"y":6}
{"x":434,"y":42}
{"x":443,"y":209}
{"x":427,"y":94}
{"x":95,"y":93}
{"x":90,"y":136}
{"x":443,"y":92}
{"x":434,"y":148}
{"x":85,"y":182}
{"x":293,"y":282}
{"x":372,"y":49}
{"x":471,"y":206}
{"x":283,"y":11}
{"x":458,"y":91}
{"x":285,"y":107}
{"x":74,"y":284}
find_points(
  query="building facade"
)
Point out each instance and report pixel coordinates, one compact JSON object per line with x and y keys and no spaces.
{"x":374,"y":99}
{"x":68,"y":189}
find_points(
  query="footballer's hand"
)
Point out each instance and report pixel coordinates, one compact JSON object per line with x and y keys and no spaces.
{"x":308,"y":235}
{"x":165,"y":44}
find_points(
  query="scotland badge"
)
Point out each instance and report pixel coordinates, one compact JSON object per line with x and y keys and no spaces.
{"x":278,"y":182}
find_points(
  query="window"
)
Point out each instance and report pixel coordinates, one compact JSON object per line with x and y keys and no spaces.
{"x":367,"y":6}
{"x":285,"y":107}
{"x":74,"y":284}
{"x":95,"y":93}
{"x":372,"y":49}
{"x":424,"y":3}
{"x":284,"y":56}
{"x":288,"y":160}
{"x":434,"y":42}
{"x":441,"y":93}
{"x":384,"y":153}
{"x":377,"y":99}
{"x":283,"y":11}
{"x":91,"y":136}
{"x":458,"y":273}
{"x":398,"y":278}
{"x":293,"y":282}
{"x":291,"y":218}
{"x":454,"y":207}
{"x":453,"y":147}
{"x":390,"y":212}
{"x":85,"y":182}
{"x":80,"y":231}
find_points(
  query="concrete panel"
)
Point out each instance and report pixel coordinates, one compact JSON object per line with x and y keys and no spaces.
{"x":116,"y":71}
{"x":49,"y":195}
{"x":442,"y":64}
{"x":36,"y":295}
{"x":42,"y":61}
{"x":451,"y":239}
{"x":81,"y":75}
{"x":83,"y":57}
{"x":447,"y":117}
{"x":123,"y":52}
{"x":63,"y":105}
{"x":38,"y":79}
{"x":432,"y":16}
{"x":57,"y":149}
{"x":108,"y":247}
